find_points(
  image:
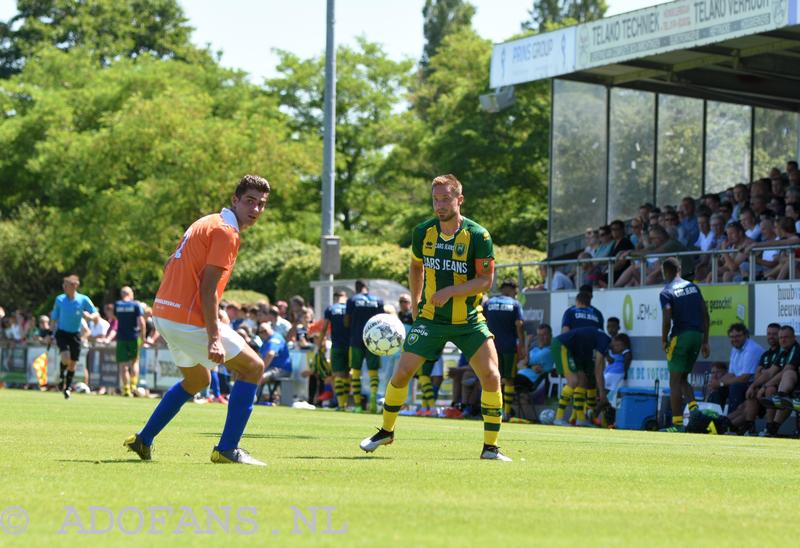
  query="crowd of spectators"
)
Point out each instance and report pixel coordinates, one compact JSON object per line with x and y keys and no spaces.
{"x":745,"y":219}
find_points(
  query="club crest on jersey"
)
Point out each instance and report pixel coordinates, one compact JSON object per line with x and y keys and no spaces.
{"x":485,"y":264}
{"x":459,"y":249}
{"x":412,"y":338}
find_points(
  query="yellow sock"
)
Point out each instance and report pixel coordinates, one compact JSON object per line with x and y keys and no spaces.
{"x":426,"y":387}
{"x":339,"y":390}
{"x":134,"y":382}
{"x":508,"y":397}
{"x":563,"y":401}
{"x":355,"y":384}
{"x":491,"y":409}
{"x":692,"y":405}
{"x":591,"y":398}
{"x":126,"y":389}
{"x":374,"y":381}
{"x":677,"y":420}
{"x":395,"y":396}
{"x":580,"y":401}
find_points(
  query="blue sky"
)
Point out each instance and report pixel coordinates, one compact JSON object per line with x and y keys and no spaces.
{"x":248,"y":30}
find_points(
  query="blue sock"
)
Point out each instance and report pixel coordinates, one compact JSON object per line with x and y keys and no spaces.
{"x":215,"y":384}
{"x":240,"y":405}
{"x":166,"y":410}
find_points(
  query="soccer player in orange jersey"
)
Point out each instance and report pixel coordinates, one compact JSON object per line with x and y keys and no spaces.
{"x":186,"y":315}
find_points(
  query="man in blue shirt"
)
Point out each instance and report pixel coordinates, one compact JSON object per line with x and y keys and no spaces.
{"x":504,"y":318}
{"x":539,"y":363}
{"x":130,"y":330}
{"x":358,"y":310}
{"x":275,"y":353}
{"x":69,"y":309}
{"x":340,"y":342}
{"x":744,"y":360}
{"x":684,"y":333}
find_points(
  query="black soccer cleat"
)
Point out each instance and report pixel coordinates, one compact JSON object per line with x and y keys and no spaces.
{"x":382,"y":437}
{"x":134,"y":443}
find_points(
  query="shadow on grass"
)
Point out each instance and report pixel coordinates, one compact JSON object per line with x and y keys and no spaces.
{"x":362,"y":457}
{"x":108,"y":461}
{"x":265,"y":436}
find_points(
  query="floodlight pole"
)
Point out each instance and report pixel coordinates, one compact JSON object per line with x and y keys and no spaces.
{"x":328,"y":166}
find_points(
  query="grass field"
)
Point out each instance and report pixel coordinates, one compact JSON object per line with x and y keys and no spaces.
{"x":566,"y":487}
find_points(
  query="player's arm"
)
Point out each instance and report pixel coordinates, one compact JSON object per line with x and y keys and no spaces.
{"x":323,"y":334}
{"x":90,"y":312}
{"x":142,"y":327}
{"x":598,"y":375}
{"x":628,"y":359}
{"x":210,"y":305}
{"x":522,"y":340}
{"x":268,"y":358}
{"x":481,"y":283}
{"x":416,"y":273}
{"x":706,"y":323}
{"x":666,"y":320}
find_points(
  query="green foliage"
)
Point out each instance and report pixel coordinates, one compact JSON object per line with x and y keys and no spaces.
{"x":245,"y":296}
{"x":259,"y":267}
{"x":548,"y":14}
{"x":441,"y":18}
{"x":513,"y":255}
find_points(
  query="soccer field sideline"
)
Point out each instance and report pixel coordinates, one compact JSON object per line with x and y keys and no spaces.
{"x":565,"y":486}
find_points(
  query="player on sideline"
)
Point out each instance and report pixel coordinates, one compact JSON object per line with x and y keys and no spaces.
{"x":452,"y":266}
{"x":504,"y":317}
{"x":340,"y":341}
{"x":684,"y":333}
{"x":70,"y":307}
{"x":186,"y":314}
{"x":358,"y":310}
{"x":131,"y":328}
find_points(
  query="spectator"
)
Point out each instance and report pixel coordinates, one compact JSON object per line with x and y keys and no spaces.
{"x":767,"y":376}
{"x":233,"y":310}
{"x":777,"y":205}
{"x":113,"y":325}
{"x":778,"y":187}
{"x":606,"y":242}
{"x":726,"y":210}
{"x":283,"y":309}
{"x":750,"y":223}
{"x":151,"y":335}
{"x":793,"y":212}
{"x":786,"y":235}
{"x":741,"y":197}
{"x":768,"y":258}
{"x":744,"y":359}
{"x":559,"y":280}
{"x":636,"y":237}
{"x":277,"y":361}
{"x":42,"y":332}
{"x":297,"y":305}
{"x":612,"y":326}
{"x":404,"y":310}
{"x":729,"y":263}
{"x":279,"y":324}
{"x":644,"y":214}
{"x":794,"y":179}
{"x":531,"y":372}
{"x":659,"y":243}
{"x":759,"y":205}
{"x":760,"y":189}
{"x":12,"y":329}
{"x":670,"y":222}
{"x":589,"y":272}
{"x":98,"y":328}
{"x":688,"y":229}
{"x":299,"y":333}
{"x":791,"y":167}
{"x":707,"y":240}
{"x":621,"y":244}
{"x":712,"y":202}
{"x":610,"y":378}
{"x":591,"y":241}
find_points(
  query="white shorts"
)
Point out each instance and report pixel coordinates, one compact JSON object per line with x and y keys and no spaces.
{"x":612,"y":380}
{"x":189,"y":343}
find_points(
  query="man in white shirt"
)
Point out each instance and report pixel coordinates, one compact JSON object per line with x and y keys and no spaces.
{"x":744,"y":360}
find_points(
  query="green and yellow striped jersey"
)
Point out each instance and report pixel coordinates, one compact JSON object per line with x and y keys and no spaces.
{"x":450,"y":261}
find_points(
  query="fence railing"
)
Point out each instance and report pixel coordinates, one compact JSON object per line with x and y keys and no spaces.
{"x":642,"y":259}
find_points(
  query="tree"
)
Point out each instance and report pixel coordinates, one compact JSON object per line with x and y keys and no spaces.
{"x":369,"y":91}
{"x":442,"y":18}
{"x":108,"y":28}
{"x":546,"y":14}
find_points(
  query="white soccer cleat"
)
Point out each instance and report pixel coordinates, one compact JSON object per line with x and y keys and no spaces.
{"x":382,"y":437}
{"x":492,"y":452}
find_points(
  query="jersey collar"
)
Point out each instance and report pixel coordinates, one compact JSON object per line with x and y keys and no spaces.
{"x":229,"y":217}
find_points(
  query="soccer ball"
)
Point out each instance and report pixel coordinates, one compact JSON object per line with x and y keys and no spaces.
{"x":547,"y":416}
{"x":383,"y":334}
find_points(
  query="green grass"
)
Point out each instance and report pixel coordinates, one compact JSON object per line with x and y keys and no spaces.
{"x":566,"y":487}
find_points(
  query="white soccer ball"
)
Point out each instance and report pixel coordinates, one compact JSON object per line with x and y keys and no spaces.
{"x":384,"y":334}
{"x":547,"y":416}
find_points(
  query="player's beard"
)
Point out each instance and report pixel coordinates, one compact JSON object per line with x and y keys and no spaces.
{"x":445,"y":217}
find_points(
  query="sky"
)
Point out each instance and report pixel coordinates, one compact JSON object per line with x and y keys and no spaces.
{"x":247,"y":31}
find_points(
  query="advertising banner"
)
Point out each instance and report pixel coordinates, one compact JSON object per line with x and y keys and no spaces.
{"x":535,"y":309}
{"x":776,"y":302}
{"x":675,"y":25}
{"x":637,"y":308}
{"x":727,"y":304}
{"x":533,"y":58}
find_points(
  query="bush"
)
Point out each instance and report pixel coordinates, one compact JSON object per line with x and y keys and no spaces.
{"x":259,"y":269}
{"x":512,"y":254}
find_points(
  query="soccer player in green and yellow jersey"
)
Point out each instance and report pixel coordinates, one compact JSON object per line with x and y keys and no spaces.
{"x":452,"y":266}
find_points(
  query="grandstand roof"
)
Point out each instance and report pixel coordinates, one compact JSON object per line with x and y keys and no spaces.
{"x":745,"y":51}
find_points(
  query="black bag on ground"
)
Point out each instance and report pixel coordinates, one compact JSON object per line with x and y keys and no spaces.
{"x":707,"y":421}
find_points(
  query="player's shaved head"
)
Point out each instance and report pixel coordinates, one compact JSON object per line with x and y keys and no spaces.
{"x":126,"y":292}
{"x":72,"y":279}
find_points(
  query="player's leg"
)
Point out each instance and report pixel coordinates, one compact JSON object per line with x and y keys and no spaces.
{"x":356,"y":362}
{"x":134,"y":369}
{"x":561,"y":360}
{"x":249,"y":369}
{"x":508,"y":370}
{"x":73,"y":353}
{"x":341,"y":384}
{"x":484,"y":362}
{"x":591,"y":392}
{"x":579,"y":398}
{"x":125,"y":377}
{"x":426,"y":386}
{"x":373,"y":369}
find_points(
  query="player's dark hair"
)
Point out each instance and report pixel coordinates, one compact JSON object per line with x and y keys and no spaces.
{"x":584,"y":298}
{"x":792,"y":163}
{"x":671,"y":267}
{"x":586,"y":288}
{"x":360,"y":285}
{"x":251,"y":182}
{"x":613,"y":319}
{"x":787,"y":328}
{"x":545,"y":326}
{"x":774,"y":325}
{"x":739,"y":327}
{"x":508,"y":282}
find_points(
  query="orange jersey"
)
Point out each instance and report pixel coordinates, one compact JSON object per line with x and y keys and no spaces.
{"x":211,"y":240}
